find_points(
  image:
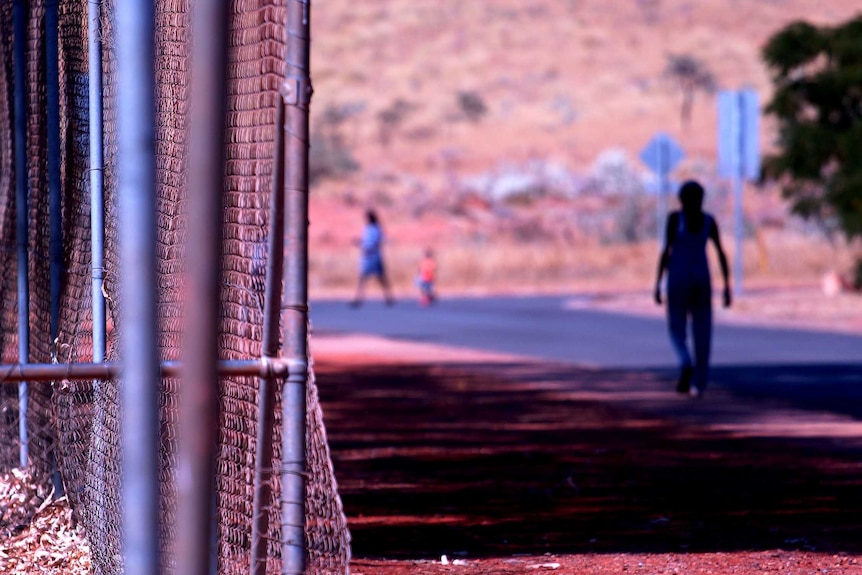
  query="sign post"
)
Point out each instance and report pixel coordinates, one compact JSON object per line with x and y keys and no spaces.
{"x":738,"y":158}
{"x":662,"y":154}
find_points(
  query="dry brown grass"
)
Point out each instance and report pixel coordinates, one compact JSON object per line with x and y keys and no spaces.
{"x":780,"y":260}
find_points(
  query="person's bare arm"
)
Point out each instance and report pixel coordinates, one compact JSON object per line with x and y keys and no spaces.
{"x":669,"y":236}
{"x":722,"y":260}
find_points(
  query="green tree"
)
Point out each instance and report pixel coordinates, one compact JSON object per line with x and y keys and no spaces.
{"x":817,"y":72}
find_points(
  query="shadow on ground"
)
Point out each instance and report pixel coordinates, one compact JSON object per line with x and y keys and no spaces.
{"x":833,"y":387}
{"x":501,"y":460}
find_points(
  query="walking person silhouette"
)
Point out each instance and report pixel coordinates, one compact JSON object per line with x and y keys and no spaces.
{"x":371,"y":260}
{"x":689,"y":287}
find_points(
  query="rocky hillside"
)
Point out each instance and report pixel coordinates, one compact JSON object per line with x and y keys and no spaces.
{"x":414,"y":86}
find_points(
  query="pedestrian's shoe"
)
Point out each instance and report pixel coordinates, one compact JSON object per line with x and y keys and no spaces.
{"x":695,"y":392}
{"x":684,"y":383}
{"x":355,"y":303}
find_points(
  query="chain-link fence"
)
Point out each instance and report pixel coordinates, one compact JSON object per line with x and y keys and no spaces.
{"x":76,"y":423}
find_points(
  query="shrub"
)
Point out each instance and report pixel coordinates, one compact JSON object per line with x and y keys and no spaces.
{"x":472,"y":106}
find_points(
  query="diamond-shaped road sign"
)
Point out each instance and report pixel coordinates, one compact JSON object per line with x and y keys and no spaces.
{"x":662,"y":154}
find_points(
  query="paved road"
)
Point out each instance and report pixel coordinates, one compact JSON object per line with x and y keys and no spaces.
{"x":545,"y":327}
{"x":613,"y":448}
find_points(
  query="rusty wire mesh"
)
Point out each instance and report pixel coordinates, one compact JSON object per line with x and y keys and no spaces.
{"x":82,"y":417}
{"x":39,"y":421}
{"x":9,"y":447}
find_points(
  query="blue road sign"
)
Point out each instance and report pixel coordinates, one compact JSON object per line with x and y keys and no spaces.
{"x":738,"y":134}
{"x":662,"y":154}
{"x":738,"y":157}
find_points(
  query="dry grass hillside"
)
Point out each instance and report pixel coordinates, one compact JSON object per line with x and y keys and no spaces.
{"x":505,"y":133}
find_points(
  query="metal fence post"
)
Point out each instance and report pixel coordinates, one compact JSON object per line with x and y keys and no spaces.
{"x":97,"y":193}
{"x":738,"y":187}
{"x":298,"y":99}
{"x":137,"y":210}
{"x":199,"y":406}
{"x":55,"y":214}
{"x":55,"y":192}
{"x":97,"y":169}
{"x":97,"y":188}
{"x":22,"y":231}
{"x":267,"y":385}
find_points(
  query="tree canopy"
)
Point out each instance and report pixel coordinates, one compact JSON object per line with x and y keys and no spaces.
{"x":817,"y":72}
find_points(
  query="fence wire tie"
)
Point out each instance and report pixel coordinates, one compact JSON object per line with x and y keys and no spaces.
{"x":270,"y":539}
{"x":293,"y":135}
{"x":255,"y":296}
{"x":108,"y":298}
{"x":65,"y":381}
{"x":291,"y":543}
{"x":304,"y":474}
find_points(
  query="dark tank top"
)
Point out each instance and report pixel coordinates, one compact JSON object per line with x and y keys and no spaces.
{"x":688,"y":261}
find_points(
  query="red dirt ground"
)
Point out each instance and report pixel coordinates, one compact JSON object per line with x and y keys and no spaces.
{"x":515,"y":467}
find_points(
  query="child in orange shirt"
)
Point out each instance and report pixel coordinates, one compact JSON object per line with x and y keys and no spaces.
{"x":425,"y":279}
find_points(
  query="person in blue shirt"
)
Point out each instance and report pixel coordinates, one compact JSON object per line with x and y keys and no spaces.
{"x":371,"y":260}
{"x":689,"y":287}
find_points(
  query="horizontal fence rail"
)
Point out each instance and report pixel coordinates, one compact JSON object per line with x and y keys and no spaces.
{"x":268,"y":367}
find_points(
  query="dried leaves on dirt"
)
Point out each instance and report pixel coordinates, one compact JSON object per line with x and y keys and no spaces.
{"x":37,"y":534}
